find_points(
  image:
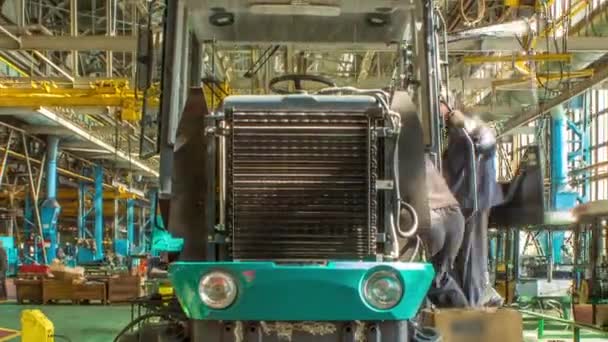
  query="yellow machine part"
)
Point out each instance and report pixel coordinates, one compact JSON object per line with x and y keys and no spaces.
{"x":508,"y":293}
{"x":528,"y":3}
{"x":165,"y":290}
{"x":583,"y":292}
{"x":36,"y":327}
{"x":512,"y":3}
{"x":215,"y":94}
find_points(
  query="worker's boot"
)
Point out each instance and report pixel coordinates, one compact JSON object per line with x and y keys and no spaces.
{"x":491,"y":298}
{"x":446,"y":293}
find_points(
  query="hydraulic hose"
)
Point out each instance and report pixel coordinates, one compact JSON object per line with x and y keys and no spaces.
{"x":426,"y":334}
{"x":412,"y":230}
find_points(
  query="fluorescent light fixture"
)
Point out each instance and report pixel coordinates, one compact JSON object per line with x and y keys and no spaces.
{"x":283,"y":9}
{"x":517,"y":27}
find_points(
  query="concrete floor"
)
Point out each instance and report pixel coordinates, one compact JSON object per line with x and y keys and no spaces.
{"x":96,"y":323}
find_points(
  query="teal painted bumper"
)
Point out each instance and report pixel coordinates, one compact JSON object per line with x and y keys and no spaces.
{"x":331,"y":292}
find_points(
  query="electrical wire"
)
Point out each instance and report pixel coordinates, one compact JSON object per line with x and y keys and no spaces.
{"x":416,"y":249}
{"x":548,"y":37}
{"x":139,"y":320}
{"x":412,"y":230}
{"x":481,"y":13}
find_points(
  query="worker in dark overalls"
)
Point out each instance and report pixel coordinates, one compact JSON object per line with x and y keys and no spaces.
{"x":443,"y":240}
{"x":3,"y":270}
{"x":471,"y":267}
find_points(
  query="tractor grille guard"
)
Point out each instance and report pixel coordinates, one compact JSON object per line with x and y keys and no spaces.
{"x":301,"y":185}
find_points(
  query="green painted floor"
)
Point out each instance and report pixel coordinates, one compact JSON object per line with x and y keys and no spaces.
{"x":80,"y":323}
{"x":96,"y":323}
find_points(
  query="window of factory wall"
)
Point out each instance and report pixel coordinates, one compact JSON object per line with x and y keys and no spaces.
{"x":598,"y":174}
{"x":511,"y":148}
{"x":8,"y":70}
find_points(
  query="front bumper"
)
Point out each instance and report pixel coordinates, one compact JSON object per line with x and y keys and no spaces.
{"x":271,"y":292}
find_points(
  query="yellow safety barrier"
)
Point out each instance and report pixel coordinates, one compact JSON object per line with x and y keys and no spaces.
{"x":36,"y":327}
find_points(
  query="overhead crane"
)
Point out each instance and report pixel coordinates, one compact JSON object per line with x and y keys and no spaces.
{"x":106,"y":93}
{"x":521,"y":61}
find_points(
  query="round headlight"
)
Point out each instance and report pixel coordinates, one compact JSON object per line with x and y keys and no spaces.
{"x":383,"y":289}
{"x":217,"y":289}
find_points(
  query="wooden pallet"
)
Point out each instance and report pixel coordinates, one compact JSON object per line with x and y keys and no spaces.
{"x":123,"y":289}
{"x":57,"y":291}
{"x":28,"y":290}
{"x":90,"y":291}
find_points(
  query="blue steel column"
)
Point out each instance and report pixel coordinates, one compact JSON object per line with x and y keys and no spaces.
{"x":151,"y":226}
{"x":562,"y":196}
{"x":559,"y":175}
{"x":130,"y":225}
{"x":586,"y":143}
{"x":143,"y":224}
{"x":50,"y":208}
{"x":81,"y":219}
{"x":559,"y":155}
{"x":28,"y":216}
{"x":98,"y":206}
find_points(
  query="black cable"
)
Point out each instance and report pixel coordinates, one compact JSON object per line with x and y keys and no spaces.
{"x":62,"y":337}
{"x":426,"y":334}
{"x":553,"y":36}
{"x":140,"y":319}
{"x":264,"y":58}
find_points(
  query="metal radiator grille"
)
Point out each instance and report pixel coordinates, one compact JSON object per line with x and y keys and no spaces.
{"x":300,"y":185}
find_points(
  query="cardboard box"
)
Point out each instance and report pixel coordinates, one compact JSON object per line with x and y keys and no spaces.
{"x":476,"y":325}
{"x":583,"y":313}
{"x":62,"y":272}
{"x":123,"y":288}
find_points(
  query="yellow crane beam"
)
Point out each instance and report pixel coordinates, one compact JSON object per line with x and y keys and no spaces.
{"x":118,"y":193}
{"x":543,"y":77}
{"x":97,"y":94}
{"x":545,"y":57}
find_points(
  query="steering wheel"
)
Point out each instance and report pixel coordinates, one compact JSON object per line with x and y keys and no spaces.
{"x":297,"y":81}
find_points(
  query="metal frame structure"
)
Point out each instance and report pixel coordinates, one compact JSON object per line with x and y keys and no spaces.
{"x":54,"y":56}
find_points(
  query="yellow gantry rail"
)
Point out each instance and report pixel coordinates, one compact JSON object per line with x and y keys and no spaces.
{"x":520,"y":60}
{"x":546,"y":57}
{"x":544,"y":77}
{"x":107,"y":93}
{"x":538,"y":4}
